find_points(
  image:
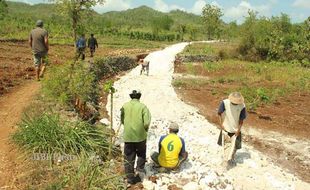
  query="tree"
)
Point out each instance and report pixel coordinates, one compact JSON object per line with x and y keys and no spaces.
{"x":161,"y":23}
{"x":75,"y":10}
{"x":211,"y":15}
{"x":3,"y":8}
{"x":230,"y":30}
{"x":182,"y":30}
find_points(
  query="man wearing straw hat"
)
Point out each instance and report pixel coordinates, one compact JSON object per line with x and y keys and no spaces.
{"x":136,"y":118}
{"x":231,"y":113}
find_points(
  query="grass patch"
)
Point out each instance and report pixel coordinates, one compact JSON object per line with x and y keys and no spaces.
{"x":212,"y":66}
{"x":260,"y":83}
{"x":45,"y":138}
{"x":263,"y":83}
{"x":126,"y":43}
{"x":197,"y":49}
{"x":220,"y":49}
{"x":48,"y":134}
{"x":190,"y":69}
{"x":179,"y":83}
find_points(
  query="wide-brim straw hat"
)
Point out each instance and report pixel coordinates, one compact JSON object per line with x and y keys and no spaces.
{"x":236,"y":98}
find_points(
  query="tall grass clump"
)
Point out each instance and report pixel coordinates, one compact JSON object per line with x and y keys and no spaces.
{"x":83,"y":147}
{"x":87,"y":174}
{"x":48,"y":134}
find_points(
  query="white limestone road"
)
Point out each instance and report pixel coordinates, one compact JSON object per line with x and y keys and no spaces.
{"x":203,"y":169}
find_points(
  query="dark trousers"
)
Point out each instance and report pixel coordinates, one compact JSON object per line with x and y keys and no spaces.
{"x":131,"y":150}
{"x":80,"y":52}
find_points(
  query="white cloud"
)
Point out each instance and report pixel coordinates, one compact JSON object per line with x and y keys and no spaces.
{"x":113,"y":5}
{"x":302,"y":4}
{"x":216,"y":4}
{"x":298,"y":17}
{"x":160,"y":5}
{"x":199,"y":4}
{"x":197,"y":7}
{"x":240,"y":11}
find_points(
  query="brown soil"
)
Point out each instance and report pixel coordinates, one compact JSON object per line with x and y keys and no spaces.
{"x":290,"y":116}
{"x":11,"y":109}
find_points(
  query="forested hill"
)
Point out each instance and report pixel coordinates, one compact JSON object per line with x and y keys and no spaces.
{"x":36,"y":11}
{"x":145,"y":17}
{"x":141,"y":18}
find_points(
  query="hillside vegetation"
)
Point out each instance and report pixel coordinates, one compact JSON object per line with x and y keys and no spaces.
{"x":138,"y":23}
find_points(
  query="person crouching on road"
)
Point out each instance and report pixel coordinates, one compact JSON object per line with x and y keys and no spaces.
{"x":171,"y":149}
{"x":136,"y":118}
{"x":231,"y":114}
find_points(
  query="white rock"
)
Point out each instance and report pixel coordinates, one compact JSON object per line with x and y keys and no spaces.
{"x":209,"y":178}
{"x":165,"y":180}
{"x":148,"y":185}
{"x":105,"y":121}
{"x":191,"y":186}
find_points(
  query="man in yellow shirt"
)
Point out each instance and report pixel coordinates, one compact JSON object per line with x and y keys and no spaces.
{"x":171,"y":149}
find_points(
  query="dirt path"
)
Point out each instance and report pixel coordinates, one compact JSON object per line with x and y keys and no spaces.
{"x":203,"y":170}
{"x":11,"y":109}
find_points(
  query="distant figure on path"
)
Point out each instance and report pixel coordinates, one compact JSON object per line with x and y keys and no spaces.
{"x":171,"y":149}
{"x":136,"y":118}
{"x":80,"y":47}
{"x":145,"y":65}
{"x":231,"y":113}
{"x":38,"y":41}
{"x":92,"y":44}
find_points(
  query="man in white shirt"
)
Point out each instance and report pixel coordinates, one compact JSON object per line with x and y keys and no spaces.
{"x":231,"y":113}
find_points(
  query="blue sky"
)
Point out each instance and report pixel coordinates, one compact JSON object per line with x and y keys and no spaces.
{"x":298,"y":10}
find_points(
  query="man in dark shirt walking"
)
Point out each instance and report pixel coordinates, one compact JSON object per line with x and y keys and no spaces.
{"x":38,"y":41}
{"x":92,"y":44}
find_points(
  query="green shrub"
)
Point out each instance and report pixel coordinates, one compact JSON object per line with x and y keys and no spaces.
{"x":273,"y":39}
{"x":262,"y":94}
{"x":66,"y":82}
{"x":105,"y":67}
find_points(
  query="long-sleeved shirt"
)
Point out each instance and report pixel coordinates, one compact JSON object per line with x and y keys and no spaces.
{"x":81,"y":43}
{"x":136,"y":118}
{"x":92,"y":42}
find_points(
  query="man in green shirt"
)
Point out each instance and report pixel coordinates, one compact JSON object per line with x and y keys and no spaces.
{"x":136,"y":118}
